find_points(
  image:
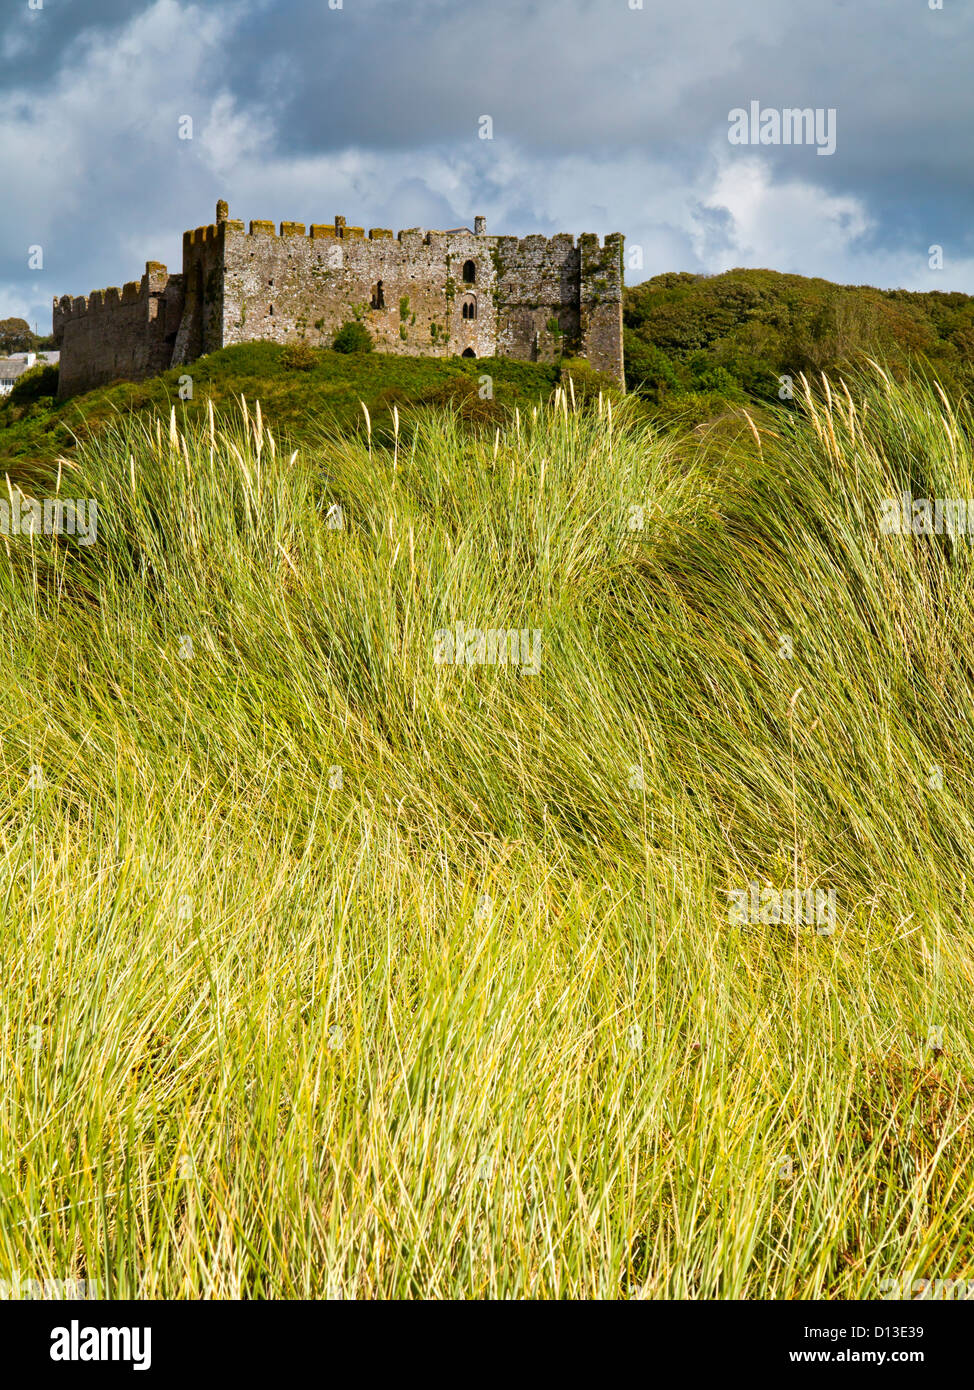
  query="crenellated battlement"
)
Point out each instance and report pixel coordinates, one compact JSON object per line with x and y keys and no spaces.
{"x":202,"y":235}
{"x":340,"y":230}
{"x":318,"y":231}
{"x":69,"y":308}
{"x":417,"y":291}
{"x":115,"y":333}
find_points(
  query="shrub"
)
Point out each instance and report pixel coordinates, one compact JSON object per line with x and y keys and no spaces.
{"x":648,"y":369}
{"x":352,"y":337}
{"x":688,"y":409}
{"x":461,"y":395}
{"x":37,"y":382}
{"x":586,"y":381}
{"x":759,"y":325}
{"x":718,"y":381}
{"x":298,"y":357}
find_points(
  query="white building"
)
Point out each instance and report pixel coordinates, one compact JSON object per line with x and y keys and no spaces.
{"x":17,"y":363}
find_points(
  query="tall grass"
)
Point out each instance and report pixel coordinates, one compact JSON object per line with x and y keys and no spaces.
{"x":331,"y":970}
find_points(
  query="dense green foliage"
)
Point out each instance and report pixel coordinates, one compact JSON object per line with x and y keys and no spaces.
{"x":38,"y":383}
{"x":734,"y":336}
{"x":353,"y":337}
{"x":332,"y":970}
{"x":16,"y":335}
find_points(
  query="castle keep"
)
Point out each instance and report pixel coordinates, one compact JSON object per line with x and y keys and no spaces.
{"x":431,"y":293}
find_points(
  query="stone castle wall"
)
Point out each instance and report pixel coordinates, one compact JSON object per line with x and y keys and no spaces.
{"x":428,"y":293}
{"x":118,"y":334}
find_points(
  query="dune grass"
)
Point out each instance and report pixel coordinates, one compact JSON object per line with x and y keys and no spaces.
{"x":335,"y":970}
{"x":37,"y":429}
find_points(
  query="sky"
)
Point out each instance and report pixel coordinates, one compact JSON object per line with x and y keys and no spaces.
{"x":604,"y":115}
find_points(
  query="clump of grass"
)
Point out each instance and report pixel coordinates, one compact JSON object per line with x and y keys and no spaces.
{"x":333,"y":968}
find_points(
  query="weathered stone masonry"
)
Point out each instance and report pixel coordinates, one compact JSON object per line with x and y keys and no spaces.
{"x":430,"y":293}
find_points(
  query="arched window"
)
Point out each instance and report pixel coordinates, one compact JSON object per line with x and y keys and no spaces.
{"x":468,"y":309}
{"x":469,"y":272}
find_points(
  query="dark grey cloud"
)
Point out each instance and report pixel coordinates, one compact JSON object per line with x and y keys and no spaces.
{"x":34,"y":43}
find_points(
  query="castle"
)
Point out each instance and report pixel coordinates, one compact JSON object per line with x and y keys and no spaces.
{"x":430,"y":293}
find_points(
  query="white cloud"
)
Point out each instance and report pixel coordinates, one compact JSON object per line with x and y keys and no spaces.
{"x":787,"y":225}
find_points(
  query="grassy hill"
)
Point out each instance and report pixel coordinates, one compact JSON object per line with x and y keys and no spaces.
{"x":693,"y":340}
{"x":695,"y":346}
{"x":298,"y":391}
{"x":335,"y":968}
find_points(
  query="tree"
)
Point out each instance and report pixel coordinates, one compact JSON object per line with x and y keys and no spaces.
{"x":15,"y":336}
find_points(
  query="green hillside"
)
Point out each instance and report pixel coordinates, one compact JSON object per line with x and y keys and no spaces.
{"x":733,"y":336}
{"x":695,"y":346}
{"x":297,"y":389}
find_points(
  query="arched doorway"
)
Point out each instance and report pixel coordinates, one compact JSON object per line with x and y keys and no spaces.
{"x":468,"y":352}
